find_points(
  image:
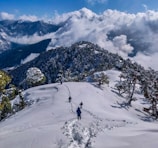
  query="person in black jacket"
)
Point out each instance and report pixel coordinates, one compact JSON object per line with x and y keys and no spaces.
{"x":78,"y":111}
{"x":70,"y":98}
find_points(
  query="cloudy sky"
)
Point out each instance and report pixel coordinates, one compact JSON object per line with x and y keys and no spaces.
{"x":48,"y":8}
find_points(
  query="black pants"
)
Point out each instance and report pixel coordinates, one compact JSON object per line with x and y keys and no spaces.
{"x":79,"y":117}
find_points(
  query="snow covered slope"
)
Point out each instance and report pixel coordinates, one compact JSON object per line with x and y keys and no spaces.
{"x":50,"y":122}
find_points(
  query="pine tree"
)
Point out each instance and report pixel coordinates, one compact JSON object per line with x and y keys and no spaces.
{"x":22,"y":102}
{"x":5,"y":107}
{"x":127,"y":83}
{"x":5,"y":79}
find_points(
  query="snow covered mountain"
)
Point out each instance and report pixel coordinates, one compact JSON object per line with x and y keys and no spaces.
{"x":76,"y":62}
{"x":129,"y":35}
{"x":12,"y":30}
{"x":51,"y":121}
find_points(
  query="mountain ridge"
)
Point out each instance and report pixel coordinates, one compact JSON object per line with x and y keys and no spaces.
{"x":12,"y":29}
{"x":15,"y":56}
{"x":78,"y":61}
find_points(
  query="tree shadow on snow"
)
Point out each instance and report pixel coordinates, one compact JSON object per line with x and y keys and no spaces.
{"x":96,"y":85}
{"x":122,"y":105}
{"x":117,"y":93}
{"x":146,"y":118}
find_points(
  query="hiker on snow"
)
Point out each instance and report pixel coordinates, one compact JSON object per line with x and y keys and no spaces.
{"x":70,"y":99}
{"x":78,"y":111}
{"x":81,"y":104}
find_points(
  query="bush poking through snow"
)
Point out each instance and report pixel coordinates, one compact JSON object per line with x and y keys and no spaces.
{"x":35,"y":77}
{"x":5,"y":79}
{"x":100,"y":77}
{"x":5,"y":107}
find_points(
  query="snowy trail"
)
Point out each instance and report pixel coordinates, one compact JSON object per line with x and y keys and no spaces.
{"x":79,"y":136}
{"x":83,"y":135}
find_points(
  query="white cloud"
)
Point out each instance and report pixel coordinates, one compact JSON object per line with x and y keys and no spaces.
{"x":30,"y":39}
{"x":92,"y":2}
{"x":30,"y":57}
{"x":29,"y":18}
{"x":145,"y":7}
{"x":140,"y":29}
{"x":121,"y":43}
{"x":147,"y":60}
{"x":6,"y":16}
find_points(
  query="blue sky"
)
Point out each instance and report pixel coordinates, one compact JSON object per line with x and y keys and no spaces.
{"x":50,"y":7}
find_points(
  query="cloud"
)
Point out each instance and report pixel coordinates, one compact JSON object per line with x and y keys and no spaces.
{"x":121,"y":43}
{"x":29,"y":58}
{"x":6,"y":16}
{"x":119,"y":32}
{"x":92,"y":2}
{"x":29,"y":18}
{"x":145,"y":7}
{"x":147,"y":60}
{"x":30,"y":39}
